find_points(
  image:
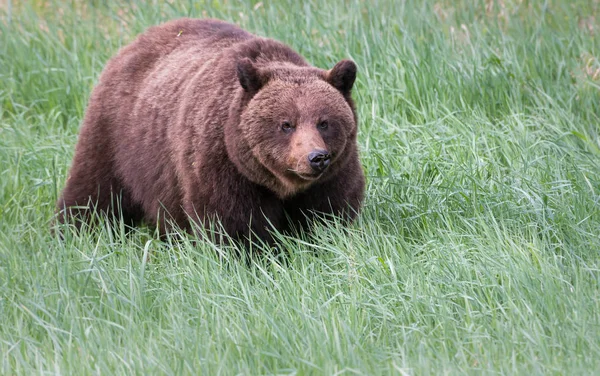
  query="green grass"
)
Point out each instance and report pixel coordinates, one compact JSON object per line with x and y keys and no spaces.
{"x":477,"y":250}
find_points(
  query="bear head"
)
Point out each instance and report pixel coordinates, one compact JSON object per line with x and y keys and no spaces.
{"x":297,"y":125}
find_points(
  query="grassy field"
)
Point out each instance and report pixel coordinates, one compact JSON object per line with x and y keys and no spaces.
{"x":477,"y":250}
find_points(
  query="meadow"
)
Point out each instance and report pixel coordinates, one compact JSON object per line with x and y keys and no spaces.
{"x":477,"y":251}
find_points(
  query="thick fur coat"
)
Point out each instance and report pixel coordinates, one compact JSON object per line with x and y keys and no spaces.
{"x":199,"y":120}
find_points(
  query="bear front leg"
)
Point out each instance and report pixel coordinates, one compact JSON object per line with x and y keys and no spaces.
{"x":341,"y":196}
{"x":245,"y":213}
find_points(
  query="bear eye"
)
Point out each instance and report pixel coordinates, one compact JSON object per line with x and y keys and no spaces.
{"x":323,"y":124}
{"x":286,"y":126}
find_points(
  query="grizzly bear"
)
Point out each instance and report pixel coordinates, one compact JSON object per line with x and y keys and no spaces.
{"x":199,"y":120}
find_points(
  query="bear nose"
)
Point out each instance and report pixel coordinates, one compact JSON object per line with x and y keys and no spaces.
{"x":319,"y":160}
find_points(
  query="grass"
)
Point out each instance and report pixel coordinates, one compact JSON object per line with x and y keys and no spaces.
{"x":477,"y":250}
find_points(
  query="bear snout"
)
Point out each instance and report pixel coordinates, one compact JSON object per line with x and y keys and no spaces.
{"x":319,"y":160}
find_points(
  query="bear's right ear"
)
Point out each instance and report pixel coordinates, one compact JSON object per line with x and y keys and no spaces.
{"x":251,"y":78}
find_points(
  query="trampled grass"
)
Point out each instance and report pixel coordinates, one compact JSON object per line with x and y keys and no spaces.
{"x":477,"y":250}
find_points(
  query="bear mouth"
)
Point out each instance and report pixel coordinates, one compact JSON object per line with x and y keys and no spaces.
{"x":309,"y":177}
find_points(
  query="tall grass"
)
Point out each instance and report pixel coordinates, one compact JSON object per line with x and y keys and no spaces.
{"x":477,"y":250}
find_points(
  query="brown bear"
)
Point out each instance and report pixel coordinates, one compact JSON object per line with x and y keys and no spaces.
{"x":199,"y":120}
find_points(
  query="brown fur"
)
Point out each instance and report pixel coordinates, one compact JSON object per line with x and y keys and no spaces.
{"x":186,"y":122}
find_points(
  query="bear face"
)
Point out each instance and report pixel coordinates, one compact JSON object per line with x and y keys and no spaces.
{"x":296,"y":125}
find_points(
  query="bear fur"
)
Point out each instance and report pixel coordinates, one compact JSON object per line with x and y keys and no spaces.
{"x":200,"y":120}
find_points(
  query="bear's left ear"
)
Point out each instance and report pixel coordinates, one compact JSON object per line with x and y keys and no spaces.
{"x":342,"y":76}
{"x":251,"y":77}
